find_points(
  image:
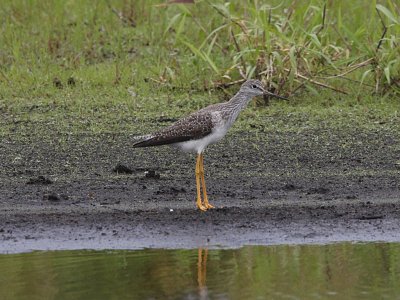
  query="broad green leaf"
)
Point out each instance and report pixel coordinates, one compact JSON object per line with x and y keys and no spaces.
{"x":250,"y":72}
{"x":387,"y":13}
{"x":202,"y":55}
{"x":181,"y":26}
{"x":387,"y":74}
{"x":315,"y":40}
{"x":195,"y":51}
{"x":211,"y":34}
{"x":224,"y":9}
{"x":185,"y":9}
{"x":365,"y":74}
{"x":171,"y":23}
{"x":387,"y":70}
{"x":292,"y":58}
{"x":211,"y":63}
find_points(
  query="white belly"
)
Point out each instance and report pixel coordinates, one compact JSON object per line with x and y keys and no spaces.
{"x":199,"y":145}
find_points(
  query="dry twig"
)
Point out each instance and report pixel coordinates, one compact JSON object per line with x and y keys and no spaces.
{"x":360,"y":65}
{"x":384,"y":31}
{"x":243,"y":63}
{"x":318,"y":83}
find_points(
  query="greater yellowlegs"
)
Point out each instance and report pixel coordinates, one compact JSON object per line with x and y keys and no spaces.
{"x":204,"y":127}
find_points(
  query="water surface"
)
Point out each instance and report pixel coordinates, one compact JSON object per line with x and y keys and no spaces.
{"x":336,"y":271}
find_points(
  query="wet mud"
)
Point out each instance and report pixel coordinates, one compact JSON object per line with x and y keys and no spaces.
{"x":311,"y":185}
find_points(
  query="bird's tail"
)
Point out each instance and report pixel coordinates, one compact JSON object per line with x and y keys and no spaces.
{"x":140,"y":139}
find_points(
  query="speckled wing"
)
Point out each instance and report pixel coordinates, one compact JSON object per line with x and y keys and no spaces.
{"x":193,"y":127}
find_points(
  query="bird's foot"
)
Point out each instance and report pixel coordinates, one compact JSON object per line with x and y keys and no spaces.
{"x":208,"y":205}
{"x":201,"y":206}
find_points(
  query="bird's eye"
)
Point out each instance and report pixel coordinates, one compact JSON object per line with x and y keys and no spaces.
{"x":254,"y":86}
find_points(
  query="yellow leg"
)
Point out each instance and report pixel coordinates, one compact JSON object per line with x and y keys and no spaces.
{"x":203,"y":184}
{"x":198,"y":201}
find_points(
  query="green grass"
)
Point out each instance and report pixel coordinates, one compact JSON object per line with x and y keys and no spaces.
{"x":131,"y":61}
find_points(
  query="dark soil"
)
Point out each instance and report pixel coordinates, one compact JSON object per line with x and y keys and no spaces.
{"x":61,"y":191}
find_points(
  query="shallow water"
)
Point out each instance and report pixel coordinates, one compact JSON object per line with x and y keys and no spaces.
{"x":335,"y":271}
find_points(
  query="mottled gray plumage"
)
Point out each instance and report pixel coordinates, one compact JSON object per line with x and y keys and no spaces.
{"x":194,"y":126}
{"x":207,"y":125}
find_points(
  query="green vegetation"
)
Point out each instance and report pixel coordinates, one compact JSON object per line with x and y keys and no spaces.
{"x":101,"y":66}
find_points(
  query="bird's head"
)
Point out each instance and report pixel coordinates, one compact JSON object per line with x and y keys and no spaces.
{"x":254,"y":88}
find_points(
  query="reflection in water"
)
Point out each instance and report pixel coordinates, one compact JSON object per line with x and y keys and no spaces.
{"x":202,"y":273}
{"x":337,"y":271}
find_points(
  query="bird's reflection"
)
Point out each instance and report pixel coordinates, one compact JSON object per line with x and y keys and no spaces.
{"x":202,"y":272}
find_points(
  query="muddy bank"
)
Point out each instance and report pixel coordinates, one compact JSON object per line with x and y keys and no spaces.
{"x":116,"y":227}
{"x":290,"y":186}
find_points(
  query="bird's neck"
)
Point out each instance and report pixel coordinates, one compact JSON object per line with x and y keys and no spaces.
{"x":240,"y":100}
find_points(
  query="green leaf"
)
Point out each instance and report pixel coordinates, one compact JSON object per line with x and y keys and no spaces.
{"x":202,"y":55}
{"x":387,"y":13}
{"x":315,"y":40}
{"x":172,"y":22}
{"x":292,"y":58}
{"x":223,"y":8}
{"x":185,"y":10}
{"x":311,"y":89}
{"x":387,"y":70}
{"x":180,"y":26}
{"x":211,"y":46}
{"x":211,"y":34}
{"x":277,"y":59}
{"x":251,"y":71}
{"x":387,"y":74}
{"x":211,"y":63}
{"x":365,"y":74}
{"x":193,"y":49}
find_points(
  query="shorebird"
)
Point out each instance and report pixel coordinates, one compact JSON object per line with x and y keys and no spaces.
{"x":204,"y":127}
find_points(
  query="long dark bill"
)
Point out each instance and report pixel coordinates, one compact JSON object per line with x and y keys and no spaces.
{"x":274,"y":95}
